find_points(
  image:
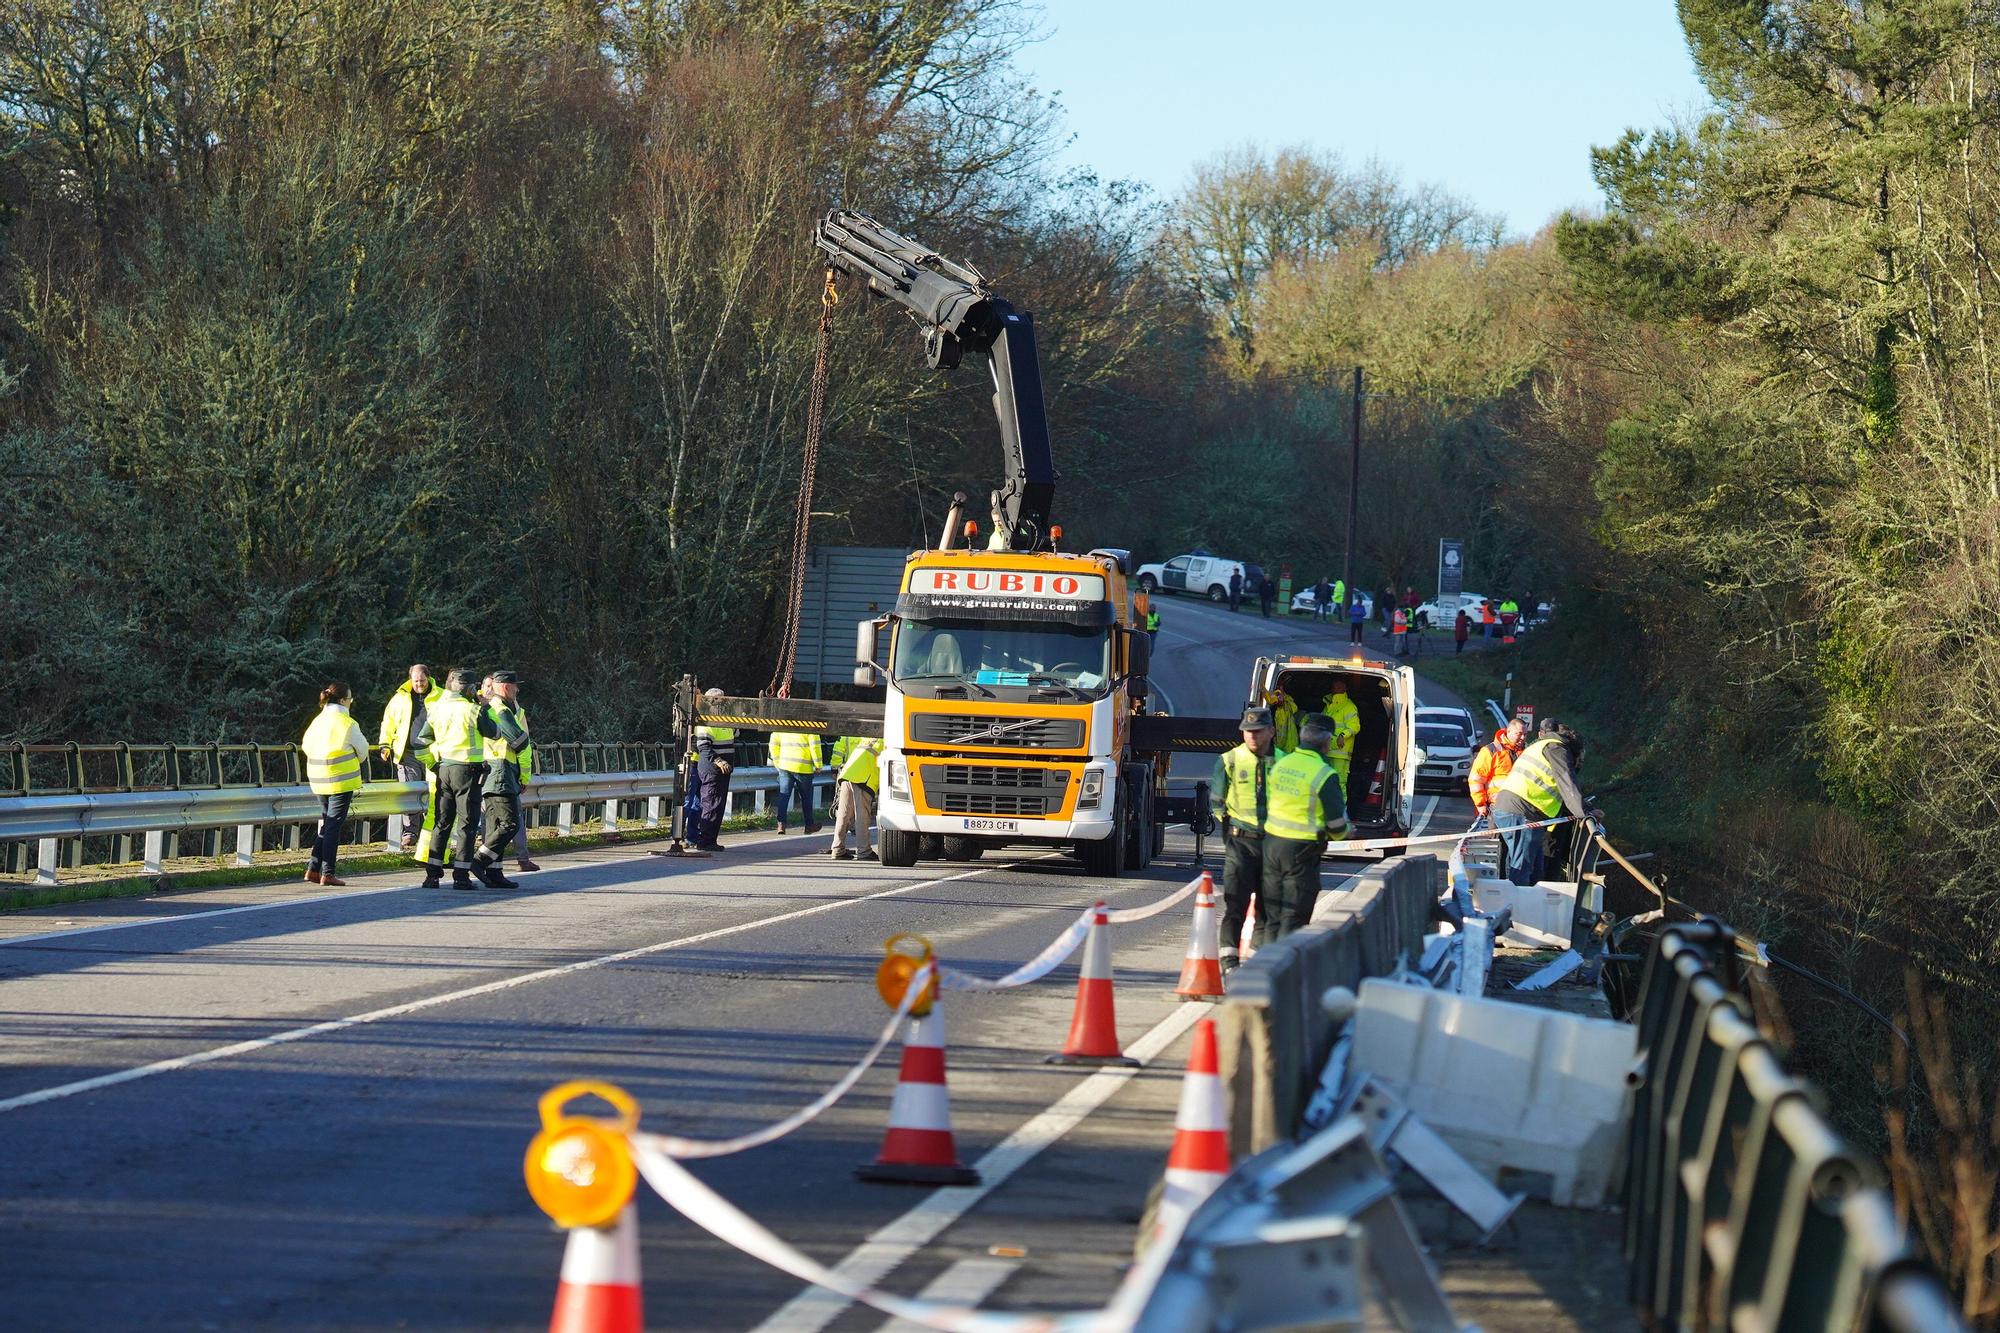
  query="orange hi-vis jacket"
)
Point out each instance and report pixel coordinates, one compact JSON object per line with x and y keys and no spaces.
{"x":1494,"y":761}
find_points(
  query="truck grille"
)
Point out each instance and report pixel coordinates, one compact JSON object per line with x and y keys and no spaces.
{"x":966,"y":789}
{"x":1054,"y":733}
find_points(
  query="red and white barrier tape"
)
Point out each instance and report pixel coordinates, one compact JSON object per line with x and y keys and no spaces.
{"x":1125,"y":916}
{"x":1389,"y":844}
{"x":674,"y":1146}
{"x":1043,"y":963}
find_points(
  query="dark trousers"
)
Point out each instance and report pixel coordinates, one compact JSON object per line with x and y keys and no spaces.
{"x":714,"y":800}
{"x":520,"y":830}
{"x":326,"y":844}
{"x":1242,"y":872}
{"x":1265,"y":603}
{"x":798,"y":785}
{"x":1235,"y":598}
{"x":1289,"y":888}
{"x":501,"y":821}
{"x":457,"y":814}
{"x":1460,"y":641}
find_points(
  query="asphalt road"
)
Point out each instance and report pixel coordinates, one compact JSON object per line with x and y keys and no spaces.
{"x":278,"y":1107}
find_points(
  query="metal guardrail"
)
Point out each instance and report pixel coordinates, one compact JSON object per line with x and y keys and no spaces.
{"x":1743,"y":1207}
{"x":164,"y":817}
{"x":72,"y":768}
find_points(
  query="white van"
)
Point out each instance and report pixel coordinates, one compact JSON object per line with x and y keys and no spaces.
{"x":1382,"y":780}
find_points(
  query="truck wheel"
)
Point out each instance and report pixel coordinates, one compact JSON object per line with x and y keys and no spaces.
{"x":898,"y":847}
{"x":1148,"y":584}
{"x":958,"y":847}
{"x":930,"y":846}
{"x":1217,"y":593}
{"x":1105,"y":858}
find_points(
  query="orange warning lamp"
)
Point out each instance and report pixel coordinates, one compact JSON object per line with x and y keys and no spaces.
{"x":903,"y":956}
{"x":1055,"y":532}
{"x":579,"y":1168}
{"x":971,"y":529}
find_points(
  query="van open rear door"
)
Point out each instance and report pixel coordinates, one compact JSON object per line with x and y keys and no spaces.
{"x":1405,"y":690}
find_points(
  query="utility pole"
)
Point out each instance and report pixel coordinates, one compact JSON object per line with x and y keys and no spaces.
{"x":1353,"y":485}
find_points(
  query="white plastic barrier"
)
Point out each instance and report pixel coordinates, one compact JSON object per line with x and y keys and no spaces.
{"x":1543,"y":913}
{"x":1512,"y":1088}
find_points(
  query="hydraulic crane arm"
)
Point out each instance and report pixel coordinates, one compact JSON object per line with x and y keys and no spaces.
{"x":959,"y":313}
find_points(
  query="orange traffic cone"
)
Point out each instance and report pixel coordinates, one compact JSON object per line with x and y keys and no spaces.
{"x":1199,"y":1159}
{"x":1093,"y":1025}
{"x":918,"y":1148}
{"x":1244,"y":948}
{"x":1201,"y":972}
{"x":599,"y":1292}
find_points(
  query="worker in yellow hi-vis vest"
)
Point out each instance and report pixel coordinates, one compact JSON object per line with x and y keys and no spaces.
{"x":1307,"y":807}
{"x":796,"y":756}
{"x":334,"y":750}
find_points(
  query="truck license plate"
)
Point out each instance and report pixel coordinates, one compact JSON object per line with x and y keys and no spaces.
{"x":992,"y":826}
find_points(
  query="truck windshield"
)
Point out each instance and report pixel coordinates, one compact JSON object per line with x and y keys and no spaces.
{"x":990,"y":653}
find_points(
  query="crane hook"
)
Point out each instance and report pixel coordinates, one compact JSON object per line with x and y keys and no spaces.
{"x":831,"y":296}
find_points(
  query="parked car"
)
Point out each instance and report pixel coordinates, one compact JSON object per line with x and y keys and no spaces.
{"x":1436,"y":614}
{"x":1302,"y":605}
{"x":1448,"y":739}
{"x":1197,"y":572}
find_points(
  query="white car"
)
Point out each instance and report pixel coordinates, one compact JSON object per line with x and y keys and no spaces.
{"x":1449,"y":738}
{"x":1303,"y":605}
{"x":1439,"y":614}
{"x":1199,"y":572}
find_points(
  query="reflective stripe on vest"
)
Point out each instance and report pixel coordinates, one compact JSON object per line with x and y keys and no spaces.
{"x":1533,"y":779}
{"x":1295,"y":785}
{"x":496,"y":749}
{"x":860,"y":765}
{"x":332,"y":766}
{"x":455,"y":737}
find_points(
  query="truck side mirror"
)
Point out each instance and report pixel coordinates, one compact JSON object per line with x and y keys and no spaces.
{"x":1138,"y":661}
{"x":865,"y":666}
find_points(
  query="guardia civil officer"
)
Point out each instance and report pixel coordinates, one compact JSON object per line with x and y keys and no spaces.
{"x":503,"y":735}
{"x":1307,"y":807}
{"x":454,"y":731}
{"x":1239,"y":787}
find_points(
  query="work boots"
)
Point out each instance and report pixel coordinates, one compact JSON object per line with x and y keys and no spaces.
{"x":462,"y":879}
{"x":433,"y":877}
{"x":488,"y":871}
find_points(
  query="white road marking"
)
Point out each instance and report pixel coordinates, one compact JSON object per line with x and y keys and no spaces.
{"x":886,"y":1248}
{"x":306,"y":901}
{"x":1424,"y":818}
{"x":210,"y":1056}
{"x":205,"y":915}
{"x":968,"y":1282}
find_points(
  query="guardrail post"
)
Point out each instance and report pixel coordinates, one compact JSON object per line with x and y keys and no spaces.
{"x":156,"y":842}
{"x":564,"y":811}
{"x":392,"y":833}
{"x":610,"y":824}
{"x":246,"y":844}
{"x":652,"y":812}
{"x":45,"y":863}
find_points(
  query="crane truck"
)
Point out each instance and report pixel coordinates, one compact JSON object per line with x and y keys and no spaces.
{"x":1016,"y":688}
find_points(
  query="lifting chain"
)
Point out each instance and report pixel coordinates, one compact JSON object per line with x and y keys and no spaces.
{"x":781,"y":678}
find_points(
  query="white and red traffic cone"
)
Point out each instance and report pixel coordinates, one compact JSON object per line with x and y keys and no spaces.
{"x":1244,"y":948}
{"x":1199,"y":1159}
{"x":1093,"y":1024}
{"x":1201,"y":971}
{"x":918,"y":1148}
{"x":599,"y":1291}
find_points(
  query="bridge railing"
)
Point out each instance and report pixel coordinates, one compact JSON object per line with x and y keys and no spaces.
{"x":1743,"y":1206}
{"x":72,"y":805}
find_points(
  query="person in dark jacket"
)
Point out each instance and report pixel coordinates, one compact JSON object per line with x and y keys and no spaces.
{"x":501,"y":788}
{"x":1461,"y":630}
{"x":715,"y":756}
{"x":1267,"y":594}
{"x":1235,"y":589}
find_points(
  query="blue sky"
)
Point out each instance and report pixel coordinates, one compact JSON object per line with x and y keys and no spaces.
{"x":1500,"y":102}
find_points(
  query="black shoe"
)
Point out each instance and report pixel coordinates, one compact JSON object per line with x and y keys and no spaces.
{"x":814,"y":828}
{"x":461,"y":880}
{"x":433,"y":880}
{"x":866,"y":856}
{"x":493,"y":879}
{"x":843,"y":855}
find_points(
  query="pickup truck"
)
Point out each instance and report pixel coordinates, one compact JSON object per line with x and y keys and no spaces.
{"x":1197,"y":572}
